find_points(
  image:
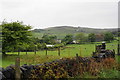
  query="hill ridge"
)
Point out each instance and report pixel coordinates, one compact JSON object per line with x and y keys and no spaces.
{"x":61,"y":31}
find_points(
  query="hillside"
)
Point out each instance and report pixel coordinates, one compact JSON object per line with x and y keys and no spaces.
{"x":61,"y":31}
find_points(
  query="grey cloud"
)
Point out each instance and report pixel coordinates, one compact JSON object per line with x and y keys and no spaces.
{"x":44,"y":13}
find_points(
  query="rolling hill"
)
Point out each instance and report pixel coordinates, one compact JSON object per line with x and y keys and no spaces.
{"x":61,"y":31}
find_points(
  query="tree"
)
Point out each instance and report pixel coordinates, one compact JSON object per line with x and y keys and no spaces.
{"x":115,"y":33}
{"x":108,"y":36}
{"x":118,"y":34}
{"x":49,"y":39}
{"x":46,"y":39}
{"x":68,"y":39}
{"x":81,"y":38}
{"x":52,"y":39}
{"x":35,"y":40}
{"x":99,"y":37}
{"x":91,"y":37}
{"x":14,"y":35}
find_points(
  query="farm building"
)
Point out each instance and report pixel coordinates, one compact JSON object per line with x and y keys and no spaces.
{"x":49,"y":45}
{"x":58,"y":41}
{"x":75,"y":42}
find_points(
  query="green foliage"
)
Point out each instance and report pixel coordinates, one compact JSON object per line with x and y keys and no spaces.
{"x":108,"y":36}
{"x":91,"y":37}
{"x":41,"y":46}
{"x":118,"y":34}
{"x":81,"y":38}
{"x":31,"y":47}
{"x":46,"y":39}
{"x":109,"y":73}
{"x":68,"y":39}
{"x":15,"y":35}
{"x":49,"y":39}
{"x":52,"y":39}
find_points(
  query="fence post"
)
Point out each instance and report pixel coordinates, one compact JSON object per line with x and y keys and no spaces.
{"x":58,"y":51}
{"x":17,"y":68}
{"x":77,"y":58}
{"x":77,"y":55}
{"x":18,"y":51}
{"x":118,"y":49}
{"x":46,"y":51}
{"x":26,"y":52}
{"x":35,"y":49}
{"x":80,"y":51}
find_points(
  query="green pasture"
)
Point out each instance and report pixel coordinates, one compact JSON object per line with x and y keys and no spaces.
{"x":71,"y":50}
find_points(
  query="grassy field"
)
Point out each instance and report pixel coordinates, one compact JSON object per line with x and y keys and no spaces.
{"x":83,"y":50}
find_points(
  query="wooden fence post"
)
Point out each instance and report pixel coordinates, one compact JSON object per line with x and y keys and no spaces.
{"x":35,"y":52}
{"x":46,"y":51}
{"x":18,"y":51}
{"x":35,"y":49}
{"x":58,"y":51}
{"x":77,"y":58}
{"x":118,"y":49}
{"x":26,"y":52}
{"x":17,"y":68}
{"x":80,"y":51}
{"x":76,"y":55}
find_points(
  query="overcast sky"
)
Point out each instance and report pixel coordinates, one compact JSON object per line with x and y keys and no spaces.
{"x":50,"y":13}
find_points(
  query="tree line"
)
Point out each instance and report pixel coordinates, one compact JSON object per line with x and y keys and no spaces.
{"x":81,"y":38}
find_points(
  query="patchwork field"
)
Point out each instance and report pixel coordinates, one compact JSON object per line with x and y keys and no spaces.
{"x":84,"y":50}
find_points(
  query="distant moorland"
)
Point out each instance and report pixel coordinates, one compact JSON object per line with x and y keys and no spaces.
{"x":61,"y":31}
